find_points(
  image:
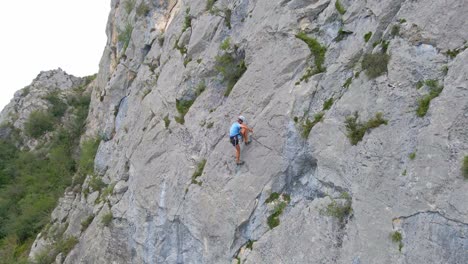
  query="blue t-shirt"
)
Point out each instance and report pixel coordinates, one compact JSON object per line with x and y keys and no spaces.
{"x":235,"y":129}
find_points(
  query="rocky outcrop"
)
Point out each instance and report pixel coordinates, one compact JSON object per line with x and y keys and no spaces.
{"x":320,"y":185}
{"x":34,"y":98}
{"x":30,"y":98}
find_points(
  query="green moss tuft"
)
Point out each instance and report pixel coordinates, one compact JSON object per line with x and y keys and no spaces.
{"x":375,"y":64}
{"x":367,"y":36}
{"x":356,"y":130}
{"x":348,"y":82}
{"x":107,"y":219}
{"x":397,"y":238}
{"x":273,"y":220}
{"x":424,"y":102}
{"x":187,"y":20}
{"x":327,"y":104}
{"x":85,"y":223}
{"x":340,"y":7}
{"x":143,"y":9}
{"x":231,"y":66}
{"x":395,"y":30}
{"x":125,"y":36}
{"x":273,"y":197}
{"x":308,"y":125}
{"x":198,"y":172}
{"x":316,"y":49}
{"x":210,"y":4}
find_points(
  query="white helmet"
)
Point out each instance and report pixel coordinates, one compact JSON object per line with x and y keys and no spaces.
{"x":242,"y":118}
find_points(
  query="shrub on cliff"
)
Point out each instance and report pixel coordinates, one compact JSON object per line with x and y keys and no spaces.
{"x":375,"y":64}
{"x":356,"y":129}
{"x":87,"y":155}
{"x":38,"y":123}
{"x":231,"y":66}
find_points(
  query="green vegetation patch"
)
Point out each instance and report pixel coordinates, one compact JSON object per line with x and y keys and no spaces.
{"x":187,"y":61}
{"x":96,"y":183}
{"x":342,"y":34}
{"x":367,"y":36}
{"x":227,"y":17}
{"x":181,"y":49}
{"x":412,"y":155}
{"x":129,"y":5}
{"x":280,"y":201}
{"x":249,"y":244}
{"x":183,"y":107}
{"x":226,"y":44}
{"x":210,"y":4}
{"x":198,"y":172}
{"x":85,"y":223}
{"x":453,"y":53}
{"x":356,"y":130}
{"x":107,"y":219}
{"x":64,"y":246}
{"x":187,"y":20}
{"x":327,"y":104}
{"x":308,"y":125}
{"x":423,"y":104}
{"x":166,"y":121}
{"x":125,"y":36}
{"x":143,"y":9}
{"x":339,"y":7}
{"x":201,"y":87}
{"x":231,"y":66}
{"x":87,"y":155}
{"x":273,"y":220}
{"x":465,"y":167}
{"x":25,"y":91}
{"x":39,"y":123}
{"x":317,"y":50}
{"x":58,"y":108}
{"x":395,"y":30}
{"x":31,"y":182}
{"x":397,"y":238}
{"x":107,"y":192}
{"x":348,"y":82}
{"x":419,"y":84}
{"x":375,"y":64}
{"x":341,"y":211}
{"x":273,"y":197}
{"x":308,"y":73}
{"x":445,"y":70}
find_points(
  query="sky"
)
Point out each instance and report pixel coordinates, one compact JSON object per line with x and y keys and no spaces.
{"x":49,"y":34}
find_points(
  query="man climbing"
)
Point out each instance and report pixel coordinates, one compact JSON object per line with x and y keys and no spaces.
{"x":239,"y":131}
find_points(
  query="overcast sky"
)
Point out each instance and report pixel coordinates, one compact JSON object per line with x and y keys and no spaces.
{"x":48,"y":34}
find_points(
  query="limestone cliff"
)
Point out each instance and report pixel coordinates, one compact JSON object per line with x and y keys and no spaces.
{"x":360,"y":116}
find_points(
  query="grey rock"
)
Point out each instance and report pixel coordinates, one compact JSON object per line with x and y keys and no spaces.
{"x":445,"y":238}
{"x":162,"y":215}
{"x":120,"y":187}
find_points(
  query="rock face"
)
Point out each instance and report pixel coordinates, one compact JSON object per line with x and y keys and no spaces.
{"x":300,"y":197}
{"x":30,"y":98}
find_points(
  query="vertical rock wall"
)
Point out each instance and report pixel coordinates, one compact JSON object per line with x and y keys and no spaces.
{"x":337,"y":202}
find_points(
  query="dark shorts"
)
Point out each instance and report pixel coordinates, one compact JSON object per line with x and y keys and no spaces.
{"x":234,"y":140}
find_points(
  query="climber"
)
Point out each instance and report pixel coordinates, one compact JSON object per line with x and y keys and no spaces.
{"x":239,"y":132}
